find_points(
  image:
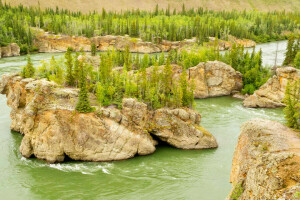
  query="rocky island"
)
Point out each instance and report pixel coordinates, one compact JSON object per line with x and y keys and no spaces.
{"x":45,"y":114}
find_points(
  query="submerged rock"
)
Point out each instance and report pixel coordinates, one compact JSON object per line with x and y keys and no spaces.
{"x":271,"y":94}
{"x":45,"y":114}
{"x":266,"y":162}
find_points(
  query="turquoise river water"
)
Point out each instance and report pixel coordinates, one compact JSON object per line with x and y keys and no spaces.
{"x":169,"y":173}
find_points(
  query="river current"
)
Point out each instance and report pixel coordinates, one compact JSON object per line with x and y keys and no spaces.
{"x":169,"y":173}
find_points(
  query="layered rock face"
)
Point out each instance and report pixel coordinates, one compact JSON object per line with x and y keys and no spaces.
{"x":52,"y":129}
{"x":10,"y":50}
{"x":271,"y":94}
{"x":266,"y":162}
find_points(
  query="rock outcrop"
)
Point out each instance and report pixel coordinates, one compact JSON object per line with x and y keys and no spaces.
{"x":271,"y":94}
{"x":10,"y":50}
{"x":266,"y":162}
{"x":45,"y":114}
{"x":47,"y":42}
{"x":210,"y":79}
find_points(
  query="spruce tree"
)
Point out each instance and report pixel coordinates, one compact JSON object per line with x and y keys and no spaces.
{"x":184,"y":88}
{"x":289,"y":52}
{"x":28,"y":71}
{"x":297,"y":61}
{"x":93,"y":49}
{"x":290,"y":109}
{"x":76,"y":71}
{"x":69,"y":67}
{"x":83,"y":105}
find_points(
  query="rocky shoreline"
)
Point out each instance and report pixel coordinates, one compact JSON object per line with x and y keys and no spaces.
{"x":45,"y":114}
{"x":266,"y":162}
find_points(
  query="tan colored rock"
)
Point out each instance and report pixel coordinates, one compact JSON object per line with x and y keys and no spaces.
{"x":214,"y":78}
{"x":180,"y":128}
{"x":211,"y":79}
{"x":266,"y":162}
{"x":271,"y":94}
{"x":45,"y":114}
{"x":10,"y":50}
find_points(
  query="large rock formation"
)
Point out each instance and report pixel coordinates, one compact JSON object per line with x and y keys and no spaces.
{"x":211,"y":79}
{"x":10,"y":50}
{"x":271,"y":94}
{"x":52,"y":129}
{"x":266,"y":162}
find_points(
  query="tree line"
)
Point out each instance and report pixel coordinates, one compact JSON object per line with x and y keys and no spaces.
{"x":154,"y":26}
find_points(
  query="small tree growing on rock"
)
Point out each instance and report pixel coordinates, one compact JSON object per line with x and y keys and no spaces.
{"x":69,"y":67}
{"x":83,"y":105}
{"x":28,"y":71}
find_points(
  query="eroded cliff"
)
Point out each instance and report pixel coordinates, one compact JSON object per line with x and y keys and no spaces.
{"x":45,"y":114}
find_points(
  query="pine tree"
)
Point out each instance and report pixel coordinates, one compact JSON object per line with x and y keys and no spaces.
{"x":69,"y":67}
{"x":290,"y":109}
{"x":28,"y":71}
{"x":167,"y":76}
{"x":184,"y":89}
{"x":297,"y":61}
{"x":83,"y":105}
{"x":93,"y":49}
{"x":76,"y":71}
{"x":289,"y":52}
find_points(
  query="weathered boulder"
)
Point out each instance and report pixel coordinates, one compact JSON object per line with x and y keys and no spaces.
{"x":266,"y":162}
{"x":271,"y":94}
{"x":214,"y":78}
{"x":45,"y":114}
{"x":174,"y":127}
{"x":10,"y":50}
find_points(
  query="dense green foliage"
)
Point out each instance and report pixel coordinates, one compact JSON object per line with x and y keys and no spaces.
{"x":293,"y":48}
{"x":292,"y":102}
{"x":16,"y":23}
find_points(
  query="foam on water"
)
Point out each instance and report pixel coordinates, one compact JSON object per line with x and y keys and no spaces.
{"x":84,"y":168}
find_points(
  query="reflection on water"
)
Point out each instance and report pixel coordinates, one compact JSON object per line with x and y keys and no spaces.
{"x":169,"y":173}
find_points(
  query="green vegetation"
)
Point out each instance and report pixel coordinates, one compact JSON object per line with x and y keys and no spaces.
{"x":93,"y":49}
{"x":148,"y":77}
{"x":297,"y":61}
{"x":28,"y":70}
{"x":292,"y":102}
{"x":154,"y":26}
{"x":293,"y":48}
{"x":83,"y":104}
{"x":237,"y":192}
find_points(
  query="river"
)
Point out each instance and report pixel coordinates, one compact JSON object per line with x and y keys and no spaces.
{"x":169,"y":173}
